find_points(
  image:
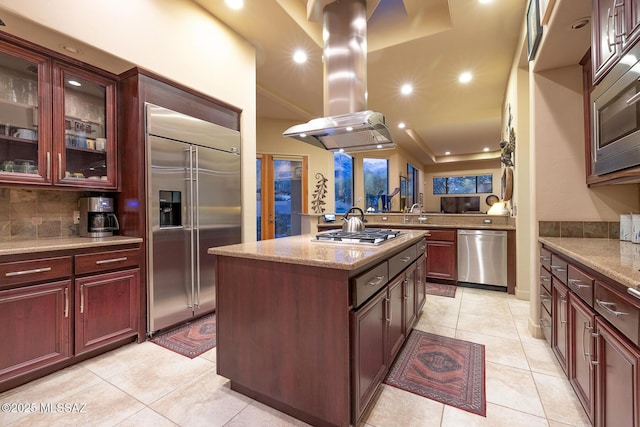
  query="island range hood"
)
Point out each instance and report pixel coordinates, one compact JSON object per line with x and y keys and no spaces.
{"x":348,"y":125}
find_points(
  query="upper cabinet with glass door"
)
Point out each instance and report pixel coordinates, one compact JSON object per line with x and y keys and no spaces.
{"x":84,"y":129}
{"x":25,"y":116}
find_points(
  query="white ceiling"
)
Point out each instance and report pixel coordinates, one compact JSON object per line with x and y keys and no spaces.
{"x":425,"y":42}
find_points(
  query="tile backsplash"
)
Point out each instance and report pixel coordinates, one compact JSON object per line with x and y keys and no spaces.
{"x":597,"y":229}
{"x":37,"y":214}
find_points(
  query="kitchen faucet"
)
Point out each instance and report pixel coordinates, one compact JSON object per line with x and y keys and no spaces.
{"x":414,"y":206}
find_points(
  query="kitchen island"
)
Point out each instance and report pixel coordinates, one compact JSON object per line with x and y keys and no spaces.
{"x":293,"y":315}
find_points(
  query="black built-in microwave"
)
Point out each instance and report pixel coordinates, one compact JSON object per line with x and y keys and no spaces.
{"x":615,"y":117}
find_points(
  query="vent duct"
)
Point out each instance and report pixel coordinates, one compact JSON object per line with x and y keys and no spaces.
{"x":347,"y":125}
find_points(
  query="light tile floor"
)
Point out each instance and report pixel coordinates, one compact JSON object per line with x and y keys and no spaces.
{"x":147,"y":385}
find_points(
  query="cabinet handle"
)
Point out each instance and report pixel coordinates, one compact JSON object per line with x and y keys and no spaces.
{"x":545,"y":258}
{"x":405,"y":259}
{"x":376,"y":282}
{"x":558,"y":268}
{"x":108,"y":261}
{"x":66,"y":302}
{"x":59,"y":166}
{"x":81,"y":299}
{"x":635,"y":98}
{"x":634,"y":292}
{"x":20,"y":273}
{"x":564,"y":303}
{"x":578,"y":282}
{"x":48,"y":165}
{"x":406,"y":290}
{"x":544,"y":297}
{"x":545,"y":278}
{"x":595,"y":335}
{"x":387,"y":306}
{"x":585,"y":327}
{"x":606,"y":306}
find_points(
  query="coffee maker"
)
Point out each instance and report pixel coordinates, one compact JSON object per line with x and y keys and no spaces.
{"x":97,"y":218}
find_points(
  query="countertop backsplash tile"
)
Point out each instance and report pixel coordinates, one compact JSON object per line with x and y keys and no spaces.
{"x":586,"y":229}
{"x":27,"y":214}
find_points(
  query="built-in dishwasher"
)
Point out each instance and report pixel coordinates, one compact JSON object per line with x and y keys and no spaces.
{"x":482,"y":257}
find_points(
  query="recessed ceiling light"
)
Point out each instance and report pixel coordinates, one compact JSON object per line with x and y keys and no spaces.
{"x":401,"y":125}
{"x":465,"y":77}
{"x":406,"y":89}
{"x":235,"y":4}
{"x":300,"y":56}
{"x":485,"y":149}
{"x":580,"y":23}
{"x":74,"y":83}
{"x":71,"y":49}
{"x":485,"y":1}
{"x":446,"y":153}
{"x":341,"y":150}
{"x":303,"y":135}
{"x":349,"y":128}
{"x":379,"y":146}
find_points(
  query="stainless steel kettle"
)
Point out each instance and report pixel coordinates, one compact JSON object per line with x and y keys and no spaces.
{"x":354,"y":223}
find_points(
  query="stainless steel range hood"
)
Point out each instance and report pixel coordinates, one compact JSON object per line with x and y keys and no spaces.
{"x":364,"y":130}
{"x":348,"y":125}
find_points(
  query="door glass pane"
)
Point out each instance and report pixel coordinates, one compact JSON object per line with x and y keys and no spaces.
{"x":85,"y":135}
{"x":343,"y":167}
{"x":288,"y":197}
{"x":259,"y":198}
{"x":376,"y":180}
{"x":18,"y":115}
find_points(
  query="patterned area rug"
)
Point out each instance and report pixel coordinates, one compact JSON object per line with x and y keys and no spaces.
{"x":191,"y":339}
{"x":443,"y":369}
{"x":441,"y":290}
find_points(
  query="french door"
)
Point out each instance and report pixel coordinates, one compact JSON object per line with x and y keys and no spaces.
{"x":281,"y":195}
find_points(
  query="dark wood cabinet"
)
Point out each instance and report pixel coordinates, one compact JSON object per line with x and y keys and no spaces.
{"x":441,"y":255}
{"x":410,"y":298}
{"x":581,"y":351}
{"x":617,"y":378}
{"x":106,"y":309}
{"x":57,"y":121}
{"x":560,"y":322}
{"x":420,"y":283}
{"x":608,"y":29}
{"x":395,"y":316}
{"x":36,"y":327}
{"x":56,"y":311}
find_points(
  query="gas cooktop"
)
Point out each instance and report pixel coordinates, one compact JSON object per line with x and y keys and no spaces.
{"x":370,"y":236}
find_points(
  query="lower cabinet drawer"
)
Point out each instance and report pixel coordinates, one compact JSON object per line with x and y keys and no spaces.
{"x":581,"y":284}
{"x":37,"y":270}
{"x":545,"y":324}
{"x":368,"y":283}
{"x":399,"y":262}
{"x":442,"y":235}
{"x":108,"y":260}
{"x":545,"y":299}
{"x":545,"y":279}
{"x":618,"y":310}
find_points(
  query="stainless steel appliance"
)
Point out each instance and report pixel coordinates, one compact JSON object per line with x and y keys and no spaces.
{"x":97,"y":218}
{"x":193,"y":191}
{"x":369,"y":236}
{"x":482,"y":257}
{"x":615,"y":117}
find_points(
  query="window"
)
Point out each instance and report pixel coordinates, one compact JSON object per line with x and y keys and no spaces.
{"x":413,"y":185}
{"x":343,"y":167}
{"x":463,"y":184}
{"x":376,"y":180}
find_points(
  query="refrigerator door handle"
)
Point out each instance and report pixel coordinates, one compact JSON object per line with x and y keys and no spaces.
{"x":196,"y":205}
{"x":191,"y":204}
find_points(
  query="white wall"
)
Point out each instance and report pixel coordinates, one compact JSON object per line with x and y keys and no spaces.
{"x":173,"y":38}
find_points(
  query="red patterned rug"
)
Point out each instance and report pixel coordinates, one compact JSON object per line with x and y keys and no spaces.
{"x":443,"y":369}
{"x":191,"y":339}
{"x":441,"y":290}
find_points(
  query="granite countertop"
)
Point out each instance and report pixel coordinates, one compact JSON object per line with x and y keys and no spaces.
{"x":306,"y":250}
{"x":423,"y":226}
{"x":57,"y":244}
{"x":616,"y":259}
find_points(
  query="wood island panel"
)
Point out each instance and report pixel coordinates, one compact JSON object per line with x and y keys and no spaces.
{"x":283,"y":336}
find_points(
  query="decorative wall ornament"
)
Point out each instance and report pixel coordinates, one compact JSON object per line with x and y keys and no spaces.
{"x":508,"y":148}
{"x":319,"y":194}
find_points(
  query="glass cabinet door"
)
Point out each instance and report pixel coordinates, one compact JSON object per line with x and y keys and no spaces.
{"x":84,"y":129}
{"x":25,"y":102}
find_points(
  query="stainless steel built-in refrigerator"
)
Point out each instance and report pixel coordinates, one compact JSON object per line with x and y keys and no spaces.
{"x":193,"y":198}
